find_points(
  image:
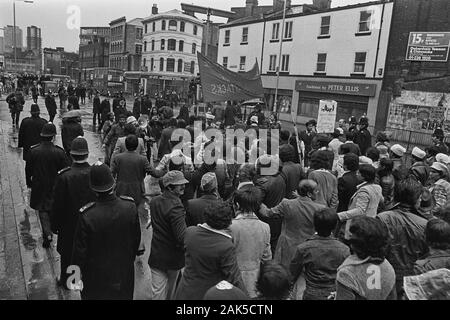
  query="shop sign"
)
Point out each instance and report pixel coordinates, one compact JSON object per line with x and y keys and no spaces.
{"x":356,"y":89}
{"x":428,"y":46}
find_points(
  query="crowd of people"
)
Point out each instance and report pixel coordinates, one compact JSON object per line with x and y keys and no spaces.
{"x":349,"y":216}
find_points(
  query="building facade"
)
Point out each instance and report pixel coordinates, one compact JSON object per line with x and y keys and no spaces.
{"x":415,"y":96}
{"x":57,"y":61}
{"x":94,"y":53}
{"x":9,"y":38}
{"x":327,"y":54}
{"x":125,"y":50}
{"x":169,"y":59}
{"x":34,"y":39}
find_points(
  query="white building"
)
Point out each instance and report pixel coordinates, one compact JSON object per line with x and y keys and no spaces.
{"x":169,"y":56}
{"x":333,"y":54}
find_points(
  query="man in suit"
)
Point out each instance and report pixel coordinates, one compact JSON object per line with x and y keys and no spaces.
{"x":106,"y":241}
{"x":348,"y":182}
{"x":196,"y":207}
{"x":42,"y":166}
{"x":130,"y":169}
{"x":71,"y":192}
{"x":30,"y":131}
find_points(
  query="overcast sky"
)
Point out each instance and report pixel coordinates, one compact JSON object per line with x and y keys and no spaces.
{"x":53,"y":18}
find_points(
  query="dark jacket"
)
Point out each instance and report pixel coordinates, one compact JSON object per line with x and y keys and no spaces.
{"x":50,"y":104}
{"x":105,"y":108}
{"x":353,"y":148}
{"x":210,"y":258}
{"x":74,"y":101}
{"x":184,"y":114}
{"x":230,"y":114}
{"x":273,"y":189}
{"x":30,"y":133}
{"x":169,"y":226}
{"x":96,"y":105}
{"x":136,"y":108}
{"x":196,"y":208}
{"x":42,"y":166}
{"x":105,"y":245}
{"x":364,"y":140}
{"x":292,"y":173}
{"x":307,"y":139}
{"x":407,"y":240}
{"x":346,"y":189}
{"x":130,"y":169}
{"x":69,"y":131}
{"x":146,"y":106}
{"x":400,"y":171}
{"x":71,"y":193}
{"x":421,"y":171}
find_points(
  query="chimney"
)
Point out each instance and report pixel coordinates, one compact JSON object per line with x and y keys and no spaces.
{"x":155,"y":9}
{"x":322,"y":4}
{"x":250,"y":6}
{"x":278,"y":5}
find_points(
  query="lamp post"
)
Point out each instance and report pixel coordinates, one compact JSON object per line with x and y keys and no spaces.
{"x":14,"y":30}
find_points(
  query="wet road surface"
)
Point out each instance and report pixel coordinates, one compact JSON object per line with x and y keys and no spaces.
{"x":27,"y":270}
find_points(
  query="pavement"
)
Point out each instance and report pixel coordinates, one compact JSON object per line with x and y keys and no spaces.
{"x":27,"y":270}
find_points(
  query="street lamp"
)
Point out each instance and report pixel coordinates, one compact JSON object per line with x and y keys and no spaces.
{"x":14,"y":30}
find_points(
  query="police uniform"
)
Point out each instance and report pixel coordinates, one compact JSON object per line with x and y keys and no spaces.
{"x":71,"y":193}
{"x":105,"y":246}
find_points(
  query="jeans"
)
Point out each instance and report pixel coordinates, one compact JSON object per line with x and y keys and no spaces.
{"x":15,"y":118}
{"x":163,"y":284}
{"x":94,"y":120}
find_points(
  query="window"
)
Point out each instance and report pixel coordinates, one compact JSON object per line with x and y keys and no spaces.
{"x":180,"y":65}
{"x":145,"y":28}
{"x":227,"y":37}
{"x":242,"y":63}
{"x":308,"y":107}
{"x":181,"y":46}
{"x":145,"y":46}
{"x":153,"y":26}
{"x":325,"y":26}
{"x":364,"y":21}
{"x":171,"y":44}
{"x":139,"y":33}
{"x":170,"y":66}
{"x":163,"y":25}
{"x":288,"y":30}
{"x":181,"y":26}
{"x":360,"y":62}
{"x":138,"y":49}
{"x":144,"y":62}
{"x":153,"y":44}
{"x":161,"y":64}
{"x":275,"y":31}
{"x":321,"y":62}
{"x":194,"y":48}
{"x":192,"y":67}
{"x":163,"y":44}
{"x":151,"y":64}
{"x":173,"y":25}
{"x":195,"y":30}
{"x":285,"y":62}
{"x":273,"y":62}
{"x":225,"y":62}
{"x":245,"y":35}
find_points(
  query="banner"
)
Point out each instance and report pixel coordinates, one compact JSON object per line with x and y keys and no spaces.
{"x":326,"y":119}
{"x":220,"y":84}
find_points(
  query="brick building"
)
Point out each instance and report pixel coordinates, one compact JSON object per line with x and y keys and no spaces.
{"x":93,"y":51}
{"x":58,"y":61}
{"x":415,"y":94}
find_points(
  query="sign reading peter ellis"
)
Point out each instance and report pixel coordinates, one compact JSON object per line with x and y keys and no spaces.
{"x":356,"y":89}
{"x":326,"y":119}
{"x":428,"y":46}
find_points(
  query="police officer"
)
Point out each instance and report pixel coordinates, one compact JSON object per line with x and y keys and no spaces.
{"x":71,"y":192}
{"x":106,"y":240}
{"x":30,"y":130}
{"x":42,"y":166}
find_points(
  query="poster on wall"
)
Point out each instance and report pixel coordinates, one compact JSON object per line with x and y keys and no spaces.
{"x":420,"y":111}
{"x":428,"y":46}
{"x":327,"y":116}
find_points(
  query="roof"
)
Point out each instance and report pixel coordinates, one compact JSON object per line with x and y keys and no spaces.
{"x":175,"y":13}
{"x":135,"y":21}
{"x":297,"y":11}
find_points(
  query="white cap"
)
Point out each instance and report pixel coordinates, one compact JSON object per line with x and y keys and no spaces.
{"x":398,"y":150}
{"x":440,"y":167}
{"x":443,"y":158}
{"x":365,"y":160}
{"x":131,"y":119}
{"x":254,"y":119}
{"x":418,"y":153}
